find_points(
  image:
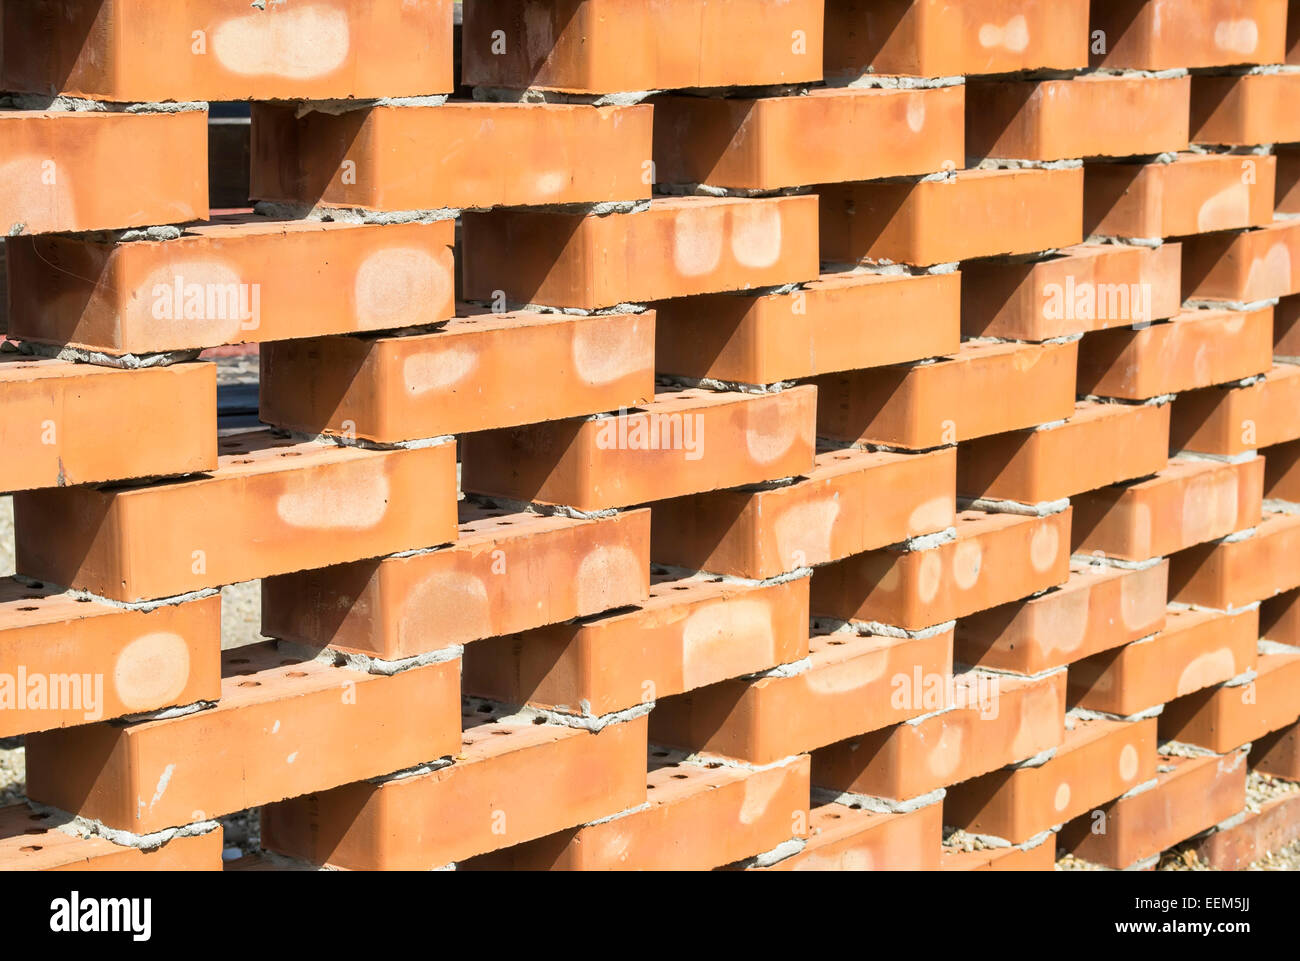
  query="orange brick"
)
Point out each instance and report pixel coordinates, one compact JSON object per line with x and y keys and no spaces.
{"x":1096,"y":609}
{"x":414,"y":157}
{"x":1085,"y":116}
{"x":853,"y":684}
{"x":473,"y":806}
{"x":846,"y":838}
{"x":474,"y":373}
{"x":1040,"y":857}
{"x":1232,"y":573}
{"x":283,"y":727}
{"x":1245,"y":267}
{"x":746,"y":143}
{"x":1232,"y":420}
{"x":507,"y":572}
{"x":1196,"y":649}
{"x":1251,"y":109}
{"x":851,"y":501}
{"x":1286,"y":328}
{"x":1272,"y":827}
{"x":1288,"y":178}
{"x":1081,"y":288}
{"x":1154,"y":35}
{"x":994,"y":559}
{"x":1188,"y":502}
{"x":1278,"y":753}
{"x":1282,"y":473}
{"x":108,"y":170}
{"x":684,"y":442}
{"x":240,"y":278}
{"x":985,"y":388}
{"x":1279,"y":618}
{"x":1195,"y":348}
{"x":610,"y":46}
{"x":1097,"y":761}
{"x":676,"y":247}
{"x":272,"y":506}
{"x":841,"y":321}
{"x":62,"y":423}
{"x":976,"y":213}
{"x":29,"y":842}
{"x":1224,"y":717}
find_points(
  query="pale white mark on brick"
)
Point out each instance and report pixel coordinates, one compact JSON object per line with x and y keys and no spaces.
{"x":163,"y":781}
{"x":756,"y":234}
{"x":152,"y":671}
{"x":602,"y":577}
{"x":1236,"y":36}
{"x":967,"y":561}
{"x":213,"y":304}
{"x":1227,"y":209}
{"x":1206,"y":669}
{"x":605,"y":350}
{"x":805,"y":531}
{"x":338,"y":503}
{"x":916,"y":112}
{"x":299,"y":44}
{"x":1271,"y":274}
{"x":438,"y":370}
{"x":401,"y":287}
{"x":1062,"y":797}
{"x":760,"y":790}
{"x":697,"y":240}
{"x":726,"y":638}
{"x":453,"y":605}
{"x":851,"y":675}
{"x":934,"y":515}
{"x":930,"y":576}
{"x":1044,"y":547}
{"x":1063,"y":621}
{"x":1014,"y":36}
{"x":946,"y":754}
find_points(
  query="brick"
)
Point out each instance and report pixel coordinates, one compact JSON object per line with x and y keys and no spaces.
{"x":1188,"y":502}
{"x":610,"y":46}
{"x":1191,"y":795}
{"x":29,"y":843}
{"x":760,"y":143}
{"x":414,"y":157}
{"x":854,"y":683}
{"x":1040,"y":857}
{"x":1194,"y":650}
{"x":1154,"y":35}
{"x":684,"y":442}
{"x":676,"y":247}
{"x":701,"y":815}
{"x":1279,"y":618}
{"x":1232,"y":420}
{"x":1084,"y":116}
{"x":94,"y":661}
{"x":1277,"y":753}
{"x":61,"y":423}
{"x":689,"y":633}
{"x":1288,"y":178}
{"x":1100,"y":444}
{"x":1245,"y":267}
{"x":272,"y":506}
{"x":507,"y":572}
{"x":1292,"y":35}
{"x":474,"y":373}
{"x":851,"y":501}
{"x":1098,"y":608}
{"x":985,"y":388}
{"x":1250,"y":109}
{"x":1282,"y":473}
{"x":132,"y":50}
{"x":993,"y":720}
{"x":240,"y":278}
{"x":473,"y":806}
{"x":1195,"y":348}
{"x":845,"y":838}
{"x":283,"y":727}
{"x":929,"y":38}
{"x":1286,"y":328}
{"x":109,"y":170}
{"x":1224,"y":717}
{"x":1230,"y":574}
{"x":1081,"y":288}
{"x":999,"y":212}
{"x":995,"y":558}
{"x":1272,"y":827}
{"x":1194,"y":194}
{"x":1097,"y":761}
{"x":841,"y":321}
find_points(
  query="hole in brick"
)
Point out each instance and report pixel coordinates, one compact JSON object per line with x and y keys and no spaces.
{"x":246,"y":460}
{"x":835,"y":643}
{"x":504,"y":523}
{"x":833,"y":817}
{"x":250,"y":683}
{"x":714,"y":766}
{"x":239,"y":660}
{"x":296,"y":674}
{"x":679,"y":777}
{"x":29,"y":608}
{"x":37,"y":585}
{"x":539,"y":720}
{"x":501,"y":733}
{"x":30,"y":848}
{"x":649,"y":787}
{"x":83,"y":600}
{"x":291,"y":453}
{"x":658,"y":753}
{"x":680,"y":588}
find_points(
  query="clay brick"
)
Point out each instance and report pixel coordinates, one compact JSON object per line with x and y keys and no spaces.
{"x":109,"y":170}
{"x":28,"y":842}
{"x":1191,"y":794}
{"x":985,"y":388}
{"x":1274,"y":826}
{"x":1195,"y":348}
{"x":473,"y":806}
{"x":1244,"y":267}
{"x":474,"y":373}
{"x":611,"y":46}
{"x":845,"y":838}
{"x":63,"y":423}
{"x":700,"y":816}
{"x":1232,"y":420}
{"x":676,"y":247}
{"x":240,"y":278}
{"x":1098,"y":608}
{"x":1100,"y":444}
{"x":1278,"y":753}
{"x":95,"y":661}
{"x":851,"y":501}
{"x":1288,"y":178}
{"x":1081,"y":288}
{"x":976,"y":213}
{"x":1196,"y":649}
{"x":1244,"y":110}
{"x":1224,"y":717}
{"x":1097,"y":761}
{"x":761,"y":143}
{"x":283,"y":727}
{"x":689,"y":633}
{"x":507,"y":572}
{"x":1155,"y":35}
{"x":133,"y":50}
{"x":995,"y":558}
{"x":992,"y":721}
{"x":415,"y":157}
{"x":1188,"y":502}
{"x":684,"y":442}
{"x":853,"y":684}
{"x":1286,"y":328}
{"x":1279,"y":618}
{"x":272,"y":506}
{"x":932,"y":38}
{"x":841,"y":321}
{"x":1040,"y":857}
{"x":1231,"y":574}
{"x":1194,"y":194}
{"x":1282,"y":473}
{"x":1085,"y":116}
